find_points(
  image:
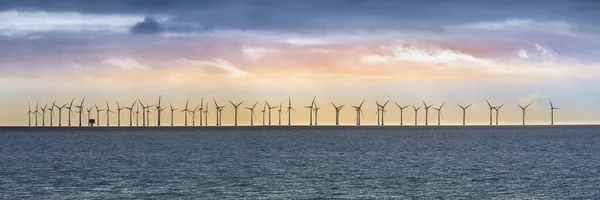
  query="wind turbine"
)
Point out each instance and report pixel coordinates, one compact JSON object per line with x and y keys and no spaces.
{"x":108,"y":111}
{"x":52,"y":112}
{"x":60,"y":113}
{"x":119,"y":108}
{"x":279,"y":111}
{"x":426,"y":113}
{"x":193,"y":112}
{"x":174,"y":109}
{"x":29,"y":114}
{"x":382,"y":107}
{"x":98,"y":115}
{"x":269,"y":107}
{"x":137,"y":115}
{"x":89,"y":113}
{"x":523,"y":108}
{"x":378,"y":113}
{"x":337,"y":113}
{"x":464,"y":112}
{"x":201,"y":110}
{"x":217,"y":109}
{"x":359,"y":112}
{"x":316,"y":114}
{"x":491,"y":110}
{"x":311,"y":110}
{"x":289,"y":109}
{"x":206,"y":115}
{"x":131,"y":113}
{"x":221,"y":115}
{"x":44,"y":114}
{"x":70,"y":111}
{"x":36,"y":113}
{"x":498,"y":112}
{"x":439,"y":111}
{"x":416,"y":113}
{"x":159,"y":109}
{"x":185,"y":112}
{"x":80,"y":106}
{"x":235,"y":111}
{"x":401,"y":112}
{"x":148,"y":111}
{"x":552,"y":108}
{"x":252,"y":113}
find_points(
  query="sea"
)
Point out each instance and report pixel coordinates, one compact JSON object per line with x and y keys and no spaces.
{"x":301,"y":162}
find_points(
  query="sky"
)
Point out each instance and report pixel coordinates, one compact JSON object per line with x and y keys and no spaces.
{"x":466,"y":52}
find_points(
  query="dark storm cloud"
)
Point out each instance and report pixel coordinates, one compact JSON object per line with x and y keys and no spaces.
{"x":321,"y":15}
{"x":148,"y":26}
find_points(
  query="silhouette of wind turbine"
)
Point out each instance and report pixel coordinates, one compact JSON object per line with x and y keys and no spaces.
{"x":426,"y":113}
{"x":464,"y":112}
{"x":252,"y":113}
{"x":98,"y":115}
{"x":279,"y":111}
{"x":401,"y":112}
{"x":159,"y":109}
{"x":137,"y":115}
{"x":70,"y":111}
{"x":206,"y":115}
{"x":439,"y":111}
{"x":60,"y":113}
{"x":119,"y":108}
{"x":235,"y":112}
{"x":36,"y":113}
{"x":416,"y":113}
{"x":108,"y":111}
{"x":89,"y":113}
{"x":337,"y":113}
{"x":264,"y":111}
{"x":193,"y":112}
{"x":523,"y":108}
{"x":382,"y":108}
{"x":52,"y":112}
{"x":29,"y":113}
{"x":289,"y":109}
{"x":491,"y":110}
{"x":269,"y":107}
{"x":221,"y":115}
{"x":311,"y":110}
{"x":172,"y":110}
{"x":316,"y":109}
{"x":131,"y":112}
{"x":44,"y":114}
{"x":201,"y":110}
{"x":217,"y":109}
{"x":359,"y":112}
{"x":80,"y":106}
{"x":498,"y":112}
{"x":185,"y":112}
{"x":552,"y":108}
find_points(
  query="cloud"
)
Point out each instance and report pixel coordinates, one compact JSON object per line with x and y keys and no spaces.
{"x":547,"y":53}
{"x":25,"y":22}
{"x":523,"y":54}
{"x":148,"y":26}
{"x":440,"y":56}
{"x":305,"y":41}
{"x":218,"y":62}
{"x":257,"y":53}
{"x":125,"y":63}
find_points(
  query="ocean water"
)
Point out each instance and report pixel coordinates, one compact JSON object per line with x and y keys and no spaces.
{"x":301,"y":162}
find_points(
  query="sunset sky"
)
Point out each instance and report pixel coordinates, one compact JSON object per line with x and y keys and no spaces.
{"x":466,"y":52}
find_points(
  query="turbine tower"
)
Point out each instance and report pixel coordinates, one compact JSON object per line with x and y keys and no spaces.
{"x":98,"y":115}
{"x":44,"y":114}
{"x":498,"y":112}
{"x":36,"y":113}
{"x":464,"y":112}
{"x":70,"y":111}
{"x":269,"y":107}
{"x":108,"y":111}
{"x":52,"y":112}
{"x":206,"y":115}
{"x":311,"y":110}
{"x":416,"y":113}
{"x":60,"y":113}
{"x":401,"y":112}
{"x":359,"y":112}
{"x":439,"y":111}
{"x":193,"y":112}
{"x":316,"y":114}
{"x":378,"y":113}
{"x":235,"y":112}
{"x":148,"y":111}
{"x":172,"y":110}
{"x":217,"y":109}
{"x":337,"y":113}
{"x":137,"y":115}
{"x":29,"y":114}
{"x":552,"y":108}
{"x":80,"y":106}
{"x":185,"y":112}
{"x":159,"y":109}
{"x":289,"y":109}
{"x":119,"y":108}
{"x":201,"y":110}
{"x":382,"y":107}
{"x":523,"y":108}
{"x":264,"y":111}
{"x":89,"y":113}
{"x":221,"y":115}
{"x":426,"y":113}
{"x":491,"y":110}
{"x":131,"y":112}
{"x":252,"y":113}
{"x":279,"y":112}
